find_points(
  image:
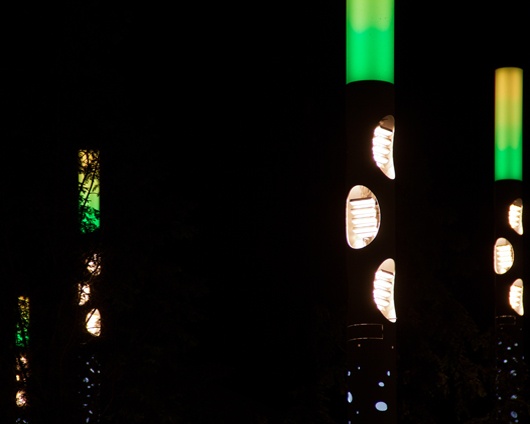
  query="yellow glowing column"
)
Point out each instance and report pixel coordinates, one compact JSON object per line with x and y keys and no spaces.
{"x":509,"y":124}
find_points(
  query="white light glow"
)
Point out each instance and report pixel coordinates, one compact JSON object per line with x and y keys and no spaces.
{"x":93,"y":265}
{"x":362,"y":217}
{"x":515,"y":216}
{"x":382,"y":146}
{"x":93,"y":322}
{"x":384,"y":289}
{"x":21,"y":368}
{"x":22,"y":362}
{"x":516,"y":296}
{"x":84,"y":293}
{"x":503,"y":256}
{"x":20,"y":398}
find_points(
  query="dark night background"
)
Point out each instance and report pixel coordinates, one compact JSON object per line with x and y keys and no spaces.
{"x":221,"y":130}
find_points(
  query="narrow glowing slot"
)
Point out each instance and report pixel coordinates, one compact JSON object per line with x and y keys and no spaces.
{"x":21,"y":368}
{"x":516,"y":296}
{"x":383,"y":291}
{"x":369,"y":40}
{"x":508,"y":124}
{"x":21,"y":378}
{"x":515,"y":216}
{"x":362,"y":217}
{"x":503,"y":256}
{"x":93,"y":322}
{"x":383,"y":146}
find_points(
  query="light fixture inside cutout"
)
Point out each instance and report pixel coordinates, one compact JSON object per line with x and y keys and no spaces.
{"x":503,"y":256}
{"x":20,"y":398}
{"x":516,"y":296}
{"x":383,"y":146}
{"x":515,"y":216}
{"x":93,"y":264}
{"x":384,"y":289}
{"x":83,"y":291}
{"x":362,"y":217}
{"x":22,"y":326}
{"x":93,"y":322}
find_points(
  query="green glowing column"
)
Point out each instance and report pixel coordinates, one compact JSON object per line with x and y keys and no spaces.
{"x":369,"y":40}
{"x":22,"y":334}
{"x":88,"y":179}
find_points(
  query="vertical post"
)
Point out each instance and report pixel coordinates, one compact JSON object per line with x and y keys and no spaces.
{"x":89,"y":218}
{"x":370,"y":212}
{"x":508,"y":246}
{"x":22,"y":369}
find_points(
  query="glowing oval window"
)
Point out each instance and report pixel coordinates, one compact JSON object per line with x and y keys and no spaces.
{"x":21,"y":400}
{"x":363,"y":217}
{"x":503,"y":256}
{"x":515,"y":216}
{"x":93,"y":322}
{"x":383,"y":146}
{"x":383,"y":292}
{"x":516,"y":296}
{"x":93,"y":264}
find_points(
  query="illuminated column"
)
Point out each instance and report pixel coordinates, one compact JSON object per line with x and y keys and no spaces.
{"x":508,"y":245}
{"x":88,"y":179}
{"x":89,"y":217}
{"x":22,"y":365}
{"x":370,"y":212}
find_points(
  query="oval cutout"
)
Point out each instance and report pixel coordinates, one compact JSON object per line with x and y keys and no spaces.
{"x":383,"y":146}
{"x":503,"y":256}
{"x":516,"y":296}
{"x":384,"y":289}
{"x":363,"y":217}
{"x":515,"y":216}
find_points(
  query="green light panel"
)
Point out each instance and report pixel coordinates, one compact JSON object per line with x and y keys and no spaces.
{"x":369,"y":40}
{"x":508,"y":124}
{"x":22,"y":327}
{"x":89,"y":190}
